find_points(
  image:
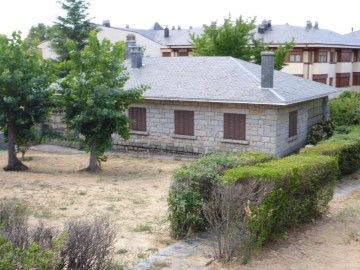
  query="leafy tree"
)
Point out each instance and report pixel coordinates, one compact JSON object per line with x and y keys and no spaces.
{"x":75,"y":26}
{"x":236,"y":39}
{"x":39,"y":33}
{"x":93,"y":95}
{"x":24,"y":95}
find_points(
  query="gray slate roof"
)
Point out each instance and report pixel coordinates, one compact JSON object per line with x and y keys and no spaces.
{"x":285,"y":33}
{"x":220,"y":79}
{"x":278,"y":35}
{"x":177,"y":37}
{"x":355,"y":34}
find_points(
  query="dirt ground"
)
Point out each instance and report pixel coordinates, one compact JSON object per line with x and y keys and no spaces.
{"x":132,"y":191}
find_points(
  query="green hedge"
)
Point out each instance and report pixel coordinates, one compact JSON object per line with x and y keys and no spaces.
{"x":344,"y":146}
{"x":193,"y":184}
{"x":302,"y":186}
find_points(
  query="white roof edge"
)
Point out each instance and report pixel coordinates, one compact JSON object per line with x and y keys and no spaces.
{"x":236,"y":102}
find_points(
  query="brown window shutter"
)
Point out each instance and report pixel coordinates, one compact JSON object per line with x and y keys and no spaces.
{"x":234,"y":126}
{"x":184,"y":122}
{"x":293,"y":123}
{"x":138,"y":115}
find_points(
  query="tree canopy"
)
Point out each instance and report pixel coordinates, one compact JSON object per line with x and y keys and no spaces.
{"x":25,"y":98}
{"x":39,"y":33}
{"x":75,"y":25}
{"x":93,"y":95}
{"x":236,"y":39}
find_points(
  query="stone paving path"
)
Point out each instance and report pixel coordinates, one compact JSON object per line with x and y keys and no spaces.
{"x":180,"y":256}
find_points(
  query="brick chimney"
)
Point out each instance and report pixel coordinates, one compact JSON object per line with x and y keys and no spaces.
{"x":267,"y":69}
{"x":136,"y":57}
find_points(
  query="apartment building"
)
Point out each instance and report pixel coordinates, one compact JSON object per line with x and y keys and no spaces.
{"x":320,"y":55}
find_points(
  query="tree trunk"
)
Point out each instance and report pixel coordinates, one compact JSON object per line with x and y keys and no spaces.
{"x":14,"y":164}
{"x":93,"y":164}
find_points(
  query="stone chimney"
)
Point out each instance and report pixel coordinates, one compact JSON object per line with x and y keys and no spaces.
{"x":129,"y":43}
{"x":316,"y":25}
{"x":136,"y":57}
{"x":106,"y":23}
{"x":308,"y":25}
{"x":267,"y":70}
{"x":166,"y":32}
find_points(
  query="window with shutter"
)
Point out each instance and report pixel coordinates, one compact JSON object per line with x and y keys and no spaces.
{"x":184,"y":122}
{"x":234,"y":126}
{"x":342,"y":79}
{"x":293,"y":123}
{"x":138,"y":117}
{"x":356,"y":78}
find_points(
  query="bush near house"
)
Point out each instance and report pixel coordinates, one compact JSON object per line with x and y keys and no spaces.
{"x":344,"y":146}
{"x":283,"y":193}
{"x":321,"y":131}
{"x":345,"y":110}
{"x":193,"y":185}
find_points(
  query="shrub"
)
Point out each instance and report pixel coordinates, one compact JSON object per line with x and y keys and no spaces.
{"x":344,"y":146}
{"x":345,"y":110}
{"x":14,"y":222}
{"x":81,"y":245}
{"x":299,"y":189}
{"x":89,"y":245}
{"x":32,"y":257}
{"x":227,"y":213}
{"x":320,"y":131}
{"x":193,"y":184}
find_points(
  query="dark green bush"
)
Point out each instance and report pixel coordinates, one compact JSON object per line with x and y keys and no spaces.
{"x":345,"y":146}
{"x":345,"y":110}
{"x":302,"y":186}
{"x":193,"y":185}
{"x":320,"y":131}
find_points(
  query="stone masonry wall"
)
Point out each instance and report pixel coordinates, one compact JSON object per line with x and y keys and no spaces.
{"x":286,"y":145}
{"x":208,"y":129}
{"x":267,"y":129}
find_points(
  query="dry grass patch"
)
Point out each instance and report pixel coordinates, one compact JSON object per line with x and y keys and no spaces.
{"x":131,"y":191}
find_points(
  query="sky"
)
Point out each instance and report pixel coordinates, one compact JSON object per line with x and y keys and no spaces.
{"x":339,"y":16}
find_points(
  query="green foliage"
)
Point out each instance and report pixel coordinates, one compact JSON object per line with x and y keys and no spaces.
{"x":281,"y":54}
{"x":321,"y":131}
{"x":75,"y":26}
{"x":232,"y":38}
{"x":345,"y":110}
{"x":344,"y":146}
{"x":39,"y":33}
{"x":193,"y":185}
{"x":93,"y":96}
{"x":302,"y":187}
{"x":236,"y":39}
{"x":25,"y":97}
{"x":33,"y":257}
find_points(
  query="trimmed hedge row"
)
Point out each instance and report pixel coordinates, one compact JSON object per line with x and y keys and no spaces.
{"x":301,"y":187}
{"x":344,"y":146}
{"x":193,"y":185}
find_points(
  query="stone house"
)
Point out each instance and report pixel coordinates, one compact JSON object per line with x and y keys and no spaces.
{"x":201,"y":104}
